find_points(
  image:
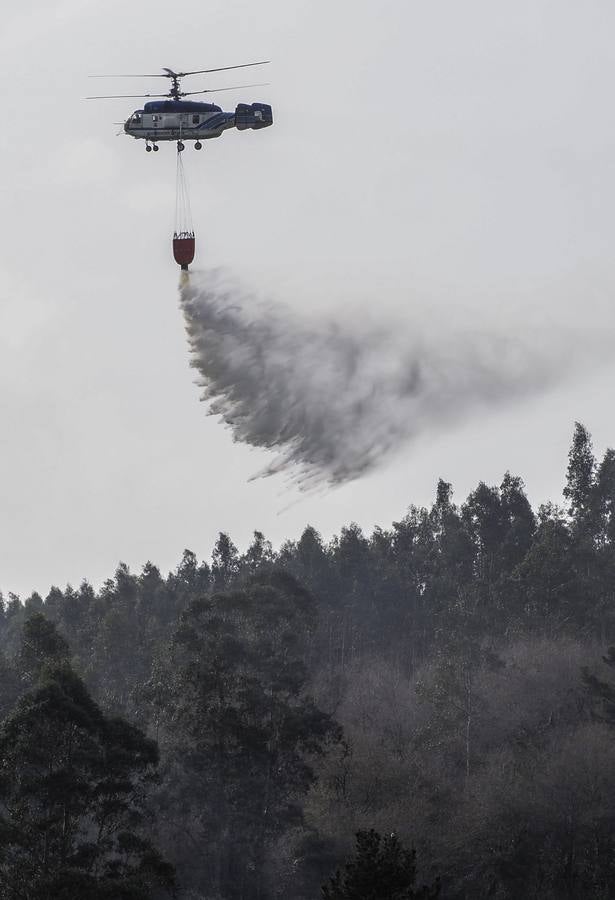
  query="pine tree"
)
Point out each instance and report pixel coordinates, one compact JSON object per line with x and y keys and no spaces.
{"x":381,"y":870}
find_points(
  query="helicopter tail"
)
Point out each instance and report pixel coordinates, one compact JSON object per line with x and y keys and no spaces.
{"x":253,"y":115}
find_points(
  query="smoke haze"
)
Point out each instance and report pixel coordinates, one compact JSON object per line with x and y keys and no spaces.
{"x":333,"y":399}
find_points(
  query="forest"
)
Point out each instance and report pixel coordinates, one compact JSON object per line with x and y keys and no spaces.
{"x":426,"y":711}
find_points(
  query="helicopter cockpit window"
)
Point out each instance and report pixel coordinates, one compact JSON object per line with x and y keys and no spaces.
{"x":195,"y":120}
{"x":136,"y":118}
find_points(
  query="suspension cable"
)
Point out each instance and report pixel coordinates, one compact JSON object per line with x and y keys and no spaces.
{"x":183,"y":213}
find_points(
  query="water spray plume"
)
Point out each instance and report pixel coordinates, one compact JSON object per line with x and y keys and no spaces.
{"x":332,"y":401}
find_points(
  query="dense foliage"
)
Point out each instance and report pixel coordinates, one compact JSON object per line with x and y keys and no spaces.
{"x":381,"y":870}
{"x":446,"y":682}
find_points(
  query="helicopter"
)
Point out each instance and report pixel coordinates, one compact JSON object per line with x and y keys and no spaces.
{"x":168,"y":117}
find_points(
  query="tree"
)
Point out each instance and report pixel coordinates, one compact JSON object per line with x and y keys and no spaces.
{"x":258,"y":555}
{"x":604,"y":491}
{"x":581,"y":474}
{"x":10,"y":686}
{"x":310,"y":562}
{"x":224,"y":562}
{"x":454,"y":541}
{"x":450,"y":688}
{"x":72,"y":790}
{"x":241,"y":729}
{"x":381,"y":870}
{"x":502,"y":525}
{"x":41,"y":643}
{"x":117,"y":661}
{"x":546,"y":578}
{"x":519,"y":519}
{"x":602,"y":692}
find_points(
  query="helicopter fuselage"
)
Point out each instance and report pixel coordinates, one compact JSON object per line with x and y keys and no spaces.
{"x":185,"y":120}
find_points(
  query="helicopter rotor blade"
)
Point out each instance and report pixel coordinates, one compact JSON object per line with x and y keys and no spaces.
{"x":124,"y":96}
{"x":170,"y":73}
{"x":237,"y":87}
{"x":263,"y":62}
{"x":157,"y":75}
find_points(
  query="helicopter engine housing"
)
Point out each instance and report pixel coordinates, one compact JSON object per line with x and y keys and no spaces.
{"x":253,"y":115}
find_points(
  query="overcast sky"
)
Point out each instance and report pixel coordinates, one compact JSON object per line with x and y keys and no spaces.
{"x":444,"y":163}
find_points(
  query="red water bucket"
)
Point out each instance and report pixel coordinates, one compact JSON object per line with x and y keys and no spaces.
{"x":183,"y":248}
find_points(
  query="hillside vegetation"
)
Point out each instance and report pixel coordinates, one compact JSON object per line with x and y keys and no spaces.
{"x":444,"y":687}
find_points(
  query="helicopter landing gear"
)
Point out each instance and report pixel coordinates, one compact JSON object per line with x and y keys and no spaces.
{"x":180,"y":146}
{"x":148,"y":148}
{"x":198,"y":145}
{"x":155,"y":148}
